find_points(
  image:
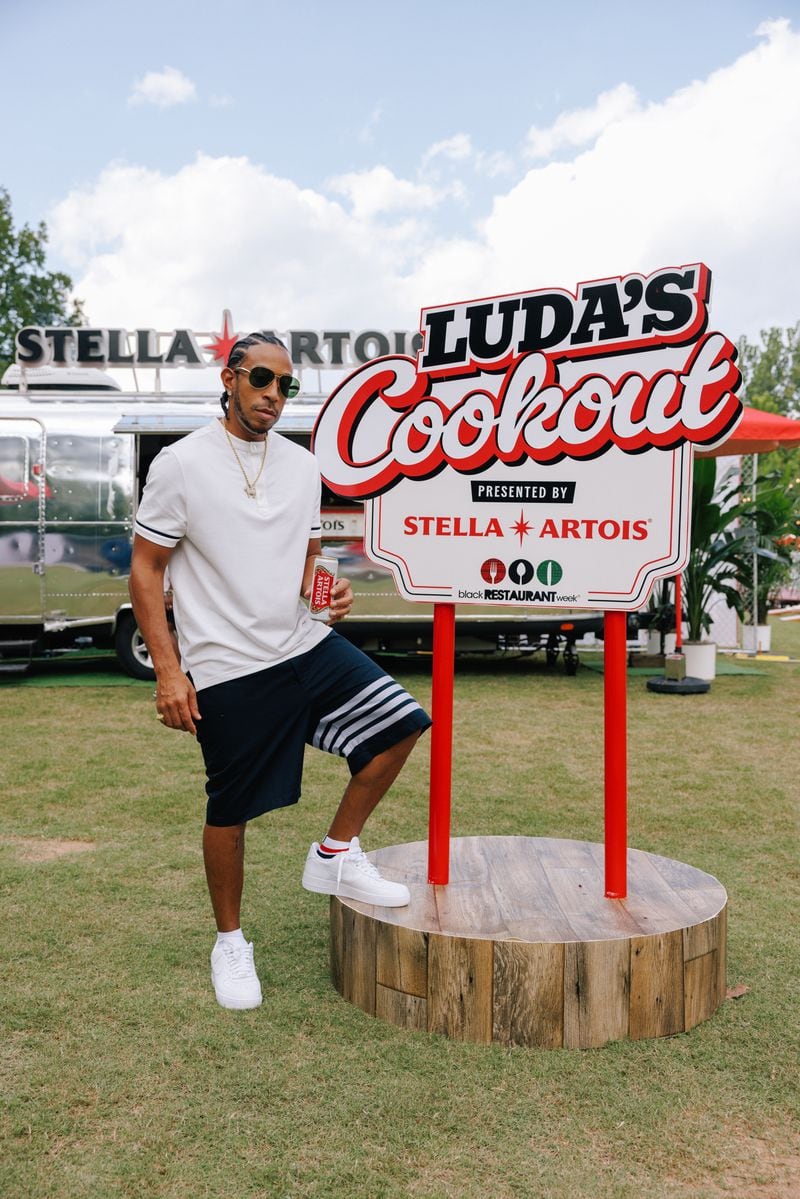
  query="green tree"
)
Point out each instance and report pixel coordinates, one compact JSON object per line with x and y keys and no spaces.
{"x":29,"y":293}
{"x":771,"y":523}
{"x":771,"y":371}
{"x":771,"y":381}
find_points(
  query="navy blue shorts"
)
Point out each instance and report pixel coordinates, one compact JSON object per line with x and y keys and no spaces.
{"x":254,"y":729}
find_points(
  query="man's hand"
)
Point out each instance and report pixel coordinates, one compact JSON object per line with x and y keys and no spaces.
{"x":176,"y":703}
{"x":341,"y":600}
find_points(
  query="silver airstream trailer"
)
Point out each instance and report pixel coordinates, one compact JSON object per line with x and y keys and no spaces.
{"x":68,"y":489}
{"x":74,"y":454}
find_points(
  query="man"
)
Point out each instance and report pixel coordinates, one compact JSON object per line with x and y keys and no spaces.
{"x":234,"y":510}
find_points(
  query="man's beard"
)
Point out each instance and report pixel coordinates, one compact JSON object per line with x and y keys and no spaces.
{"x":243,"y":421}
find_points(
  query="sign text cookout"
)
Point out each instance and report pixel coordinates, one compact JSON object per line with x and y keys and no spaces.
{"x":543,"y":427}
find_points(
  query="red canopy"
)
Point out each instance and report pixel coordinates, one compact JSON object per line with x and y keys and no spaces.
{"x":757,"y":433}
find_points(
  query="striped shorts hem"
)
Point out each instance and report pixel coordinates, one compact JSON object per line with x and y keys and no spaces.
{"x":254,"y":729}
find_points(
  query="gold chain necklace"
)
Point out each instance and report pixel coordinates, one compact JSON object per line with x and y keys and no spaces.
{"x":249,"y":484}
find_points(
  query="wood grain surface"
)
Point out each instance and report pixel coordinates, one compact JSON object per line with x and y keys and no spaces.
{"x":523,"y":948}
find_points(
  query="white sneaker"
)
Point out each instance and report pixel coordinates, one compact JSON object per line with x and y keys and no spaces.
{"x":234,"y":975}
{"x":352,"y":875}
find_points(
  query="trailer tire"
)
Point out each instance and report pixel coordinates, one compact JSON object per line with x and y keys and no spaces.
{"x":131,"y":649}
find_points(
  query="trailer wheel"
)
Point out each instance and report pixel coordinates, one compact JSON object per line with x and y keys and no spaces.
{"x":131,"y":649}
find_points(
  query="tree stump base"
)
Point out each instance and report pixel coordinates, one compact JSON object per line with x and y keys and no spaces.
{"x":523,"y":948}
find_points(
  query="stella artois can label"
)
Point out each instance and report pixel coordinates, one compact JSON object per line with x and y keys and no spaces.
{"x":319,"y":604}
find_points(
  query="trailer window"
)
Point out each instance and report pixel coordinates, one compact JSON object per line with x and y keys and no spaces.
{"x":19,"y":487}
{"x":88,"y":478}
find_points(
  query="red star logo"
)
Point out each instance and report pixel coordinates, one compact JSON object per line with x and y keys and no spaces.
{"x":224,"y":342}
{"x":521,"y":527}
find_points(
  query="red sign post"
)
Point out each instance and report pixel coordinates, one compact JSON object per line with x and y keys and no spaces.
{"x":615,"y":680}
{"x":444,"y":631}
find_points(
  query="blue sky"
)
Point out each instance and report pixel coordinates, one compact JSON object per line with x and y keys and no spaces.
{"x":314,"y":164}
{"x":316,"y":89}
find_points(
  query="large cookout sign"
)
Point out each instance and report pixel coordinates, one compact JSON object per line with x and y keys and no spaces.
{"x":538,"y":450}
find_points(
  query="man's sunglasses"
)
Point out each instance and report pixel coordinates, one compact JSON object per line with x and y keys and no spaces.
{"x":261,"y":377}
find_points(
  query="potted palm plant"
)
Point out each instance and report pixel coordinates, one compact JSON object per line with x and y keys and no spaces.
{"x":715,"y":562}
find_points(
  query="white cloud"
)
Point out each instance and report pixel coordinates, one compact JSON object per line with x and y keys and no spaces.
{"x":222,"y":232}
{"x":712,"y":173}
{"x":774,"y":26}
{"x":459,"y":151}
{"x":494,"y":164}
{"x":455,"y":149}
{"x":378,"y":190}
{"x":164,"y":89}
{"x":583,"y":125}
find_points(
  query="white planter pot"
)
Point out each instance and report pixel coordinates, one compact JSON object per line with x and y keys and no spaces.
{"x":654,"y":642}
{"x":759,"y":639}
{"x":701,"y":659}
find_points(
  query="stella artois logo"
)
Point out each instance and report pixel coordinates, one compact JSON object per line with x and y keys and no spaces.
{"x":321,"y":588}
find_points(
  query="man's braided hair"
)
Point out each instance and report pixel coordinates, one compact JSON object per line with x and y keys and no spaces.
{"x":238,"y":352}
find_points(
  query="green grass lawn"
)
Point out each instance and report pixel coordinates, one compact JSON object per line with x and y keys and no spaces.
{"x":122,"y":1077}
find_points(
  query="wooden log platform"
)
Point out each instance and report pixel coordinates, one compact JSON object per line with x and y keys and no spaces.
{"x":523,"y":948}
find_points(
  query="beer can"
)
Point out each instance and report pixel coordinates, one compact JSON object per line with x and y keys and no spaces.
{"x":319,"y":602}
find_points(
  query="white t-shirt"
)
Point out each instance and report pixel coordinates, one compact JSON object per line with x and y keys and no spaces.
{"x":237,"y":569}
